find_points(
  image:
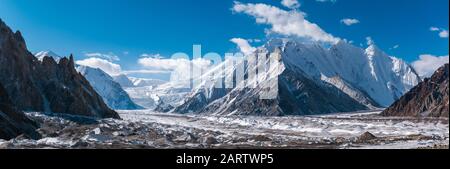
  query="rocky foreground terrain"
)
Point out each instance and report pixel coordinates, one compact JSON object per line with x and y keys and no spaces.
{"x":146,"y":129}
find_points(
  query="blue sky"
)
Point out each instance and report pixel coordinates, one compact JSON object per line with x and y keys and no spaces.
{"x":129,"y":28}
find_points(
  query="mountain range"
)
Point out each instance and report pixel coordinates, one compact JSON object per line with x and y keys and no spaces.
{"x":311,"y":79}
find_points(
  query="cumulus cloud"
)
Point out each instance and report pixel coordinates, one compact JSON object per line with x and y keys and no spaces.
{"x":105,"y":65}
{"x":292,"y":4}
{"x":108,"y":56}
{"x":288,"y":23}
{"x":180,"y":69}
{"x":144,"y":71}
{"x":243,"y":45}
{"x":145,"y":55}
{"x":349,"y":21}
{"x":443,"y":33}
{"x":428,"y":64}
{"x":158,"y":63}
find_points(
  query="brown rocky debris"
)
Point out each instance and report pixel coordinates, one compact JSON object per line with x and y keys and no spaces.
{"x":429,"y":98}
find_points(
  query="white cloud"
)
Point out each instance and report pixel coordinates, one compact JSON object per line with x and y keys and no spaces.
{"x":145,"y":55}
{"x":161,"y":64}
{"x":349,"y":21}
{"x":156,"y":63}
{"x":180,"y":69}
{"x":288,"y":23}
{"x":105,"y":65}
{"x":434,"y":29}
{"x":292,"y":4}
{"x":443,"y":33}
{"x":243,"y":45}
{"x":109,"y":56}
{"x":144,"y":71}
{"x":428,"y":64}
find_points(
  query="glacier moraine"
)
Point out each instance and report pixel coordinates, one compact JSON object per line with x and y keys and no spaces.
{"x":147,"y":129}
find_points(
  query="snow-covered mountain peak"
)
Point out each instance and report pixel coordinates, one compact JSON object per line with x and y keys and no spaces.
{"x":111,"y":92}
{"x":40,"y":55}
{"x":369,"y":76}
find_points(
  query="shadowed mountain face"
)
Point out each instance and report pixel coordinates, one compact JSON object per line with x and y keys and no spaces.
{"x":14,"y":122}
{"x":46,"y":85}
{"x":311,"y":79}
{"x":428,"y":99}
{"x":298,"y":94}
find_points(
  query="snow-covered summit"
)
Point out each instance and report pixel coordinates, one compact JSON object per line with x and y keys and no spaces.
{"x":40,"y":55}
{"x":384,"y":78}
{"x":340,"y":77}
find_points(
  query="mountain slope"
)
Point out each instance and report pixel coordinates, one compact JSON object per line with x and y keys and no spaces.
{"x":311,"y":80}
{"x":123,"y":80}
{"x":141,"y":82}
{"x":381,"y":77}
{"x":428,"y":99}
{"x":298,"y":94}
{"x":111,"y":92}
{"x":14,"y":122}
{"x":35,"y":85}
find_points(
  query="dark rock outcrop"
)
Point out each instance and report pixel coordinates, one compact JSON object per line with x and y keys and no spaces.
{"x":45,"y":85}
{"x":13,"y":122}
{"x":367,"y":136}
{"x":163,"y":107}
{"x":428,"y":99}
